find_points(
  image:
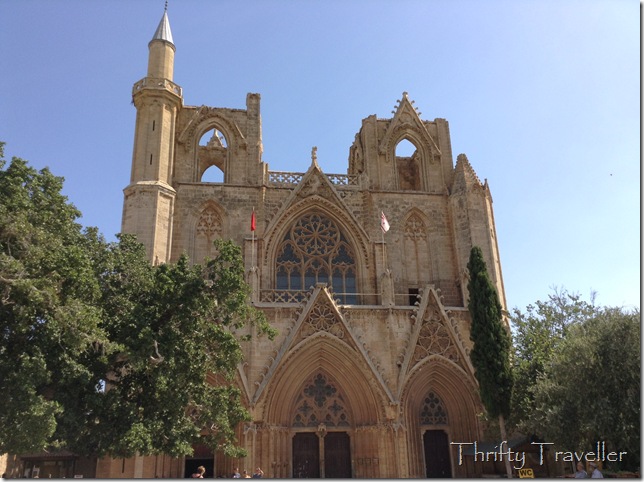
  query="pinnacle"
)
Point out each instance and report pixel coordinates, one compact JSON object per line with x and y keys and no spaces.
{"x":163,"y":30}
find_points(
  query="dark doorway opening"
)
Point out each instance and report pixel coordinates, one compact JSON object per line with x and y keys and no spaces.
{"x":192,"y":464}
{"x":337,"y":456}
{"x":306,"y":456}
{"x":437,"y":461}
{"x":414,"y":296}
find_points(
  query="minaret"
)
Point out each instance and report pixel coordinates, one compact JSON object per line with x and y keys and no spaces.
{"x":149,"y":199}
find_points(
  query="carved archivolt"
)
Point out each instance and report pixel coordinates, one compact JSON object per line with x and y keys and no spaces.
{"x":442,"y":371}
{"x":362,"y":395}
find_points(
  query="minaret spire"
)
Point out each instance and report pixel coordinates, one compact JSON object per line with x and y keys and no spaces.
{"x":163,"y":30}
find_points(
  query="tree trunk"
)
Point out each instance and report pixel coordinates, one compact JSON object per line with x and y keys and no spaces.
{"x":504,"y":436}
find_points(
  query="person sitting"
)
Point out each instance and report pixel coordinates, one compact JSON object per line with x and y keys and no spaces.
{"x":595,"y":472}
{"x":580,"y":473}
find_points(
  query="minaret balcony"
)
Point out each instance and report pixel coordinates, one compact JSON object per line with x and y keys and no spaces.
{"x":159,"y":84}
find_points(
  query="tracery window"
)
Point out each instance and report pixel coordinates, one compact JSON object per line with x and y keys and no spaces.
{"x":416,"y":251}
{"x":320,"y":402}
{"x":314,"y":251}
{"x":208,"y":228}
{"x":433,"y":412}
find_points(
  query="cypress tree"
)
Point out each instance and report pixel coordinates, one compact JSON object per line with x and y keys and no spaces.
{"x":490,"y":354}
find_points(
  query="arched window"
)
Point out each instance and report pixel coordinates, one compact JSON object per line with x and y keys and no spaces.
{"x":208,"y":228}
{"x":211,"y":156}
{"x":408,"y":166}
{"x":416,"y":253}
{"x":315,"y":251}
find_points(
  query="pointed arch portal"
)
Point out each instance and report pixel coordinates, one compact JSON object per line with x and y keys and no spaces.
{"x":325,"y":452}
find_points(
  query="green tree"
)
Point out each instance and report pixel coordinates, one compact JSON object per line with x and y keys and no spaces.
{"x":103,"y":353}
{"x":491,"y":351}
{"x":536,"y":333}
{"x":590,"y":388}
{"x":49,"y":314}
{"x":169,"y":383}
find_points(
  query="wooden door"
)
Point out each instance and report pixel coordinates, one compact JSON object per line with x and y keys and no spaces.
{"x":337,"y":456}
{"x":437,"y":461}
{"x":306,"y":456}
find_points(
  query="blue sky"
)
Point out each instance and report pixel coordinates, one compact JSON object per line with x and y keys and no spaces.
{"x":543,"y":96}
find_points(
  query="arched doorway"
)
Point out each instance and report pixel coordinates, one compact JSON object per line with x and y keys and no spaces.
{"x":202,"y":456}
{"x":323,"y":448}
{"x":322,"y":389}
{"x":435,"y":440}
{"x":437,"y":463}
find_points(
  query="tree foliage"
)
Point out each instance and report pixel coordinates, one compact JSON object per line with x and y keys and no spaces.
{"x":585,"y":387}
{"x":491,"y":351}
{"x":103,"y":353}
{"x":49,"y":313}
{"x":536,"y":334}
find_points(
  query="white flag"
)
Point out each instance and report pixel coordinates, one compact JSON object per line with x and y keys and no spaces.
{"x":384,"y":225}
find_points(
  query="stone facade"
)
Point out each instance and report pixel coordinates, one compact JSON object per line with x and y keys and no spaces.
{"x":370,"y":374}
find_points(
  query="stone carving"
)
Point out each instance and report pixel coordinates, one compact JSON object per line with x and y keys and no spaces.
{"x":322,"y":318}
{"x":415,"y":228}
{"x":433,"y":411}
{"x":320,"y":404}
{"x":209,"y":224}
{"x":434,"y":339}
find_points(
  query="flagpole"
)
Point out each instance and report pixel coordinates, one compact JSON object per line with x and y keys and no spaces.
{"x":384,"y":252}
{"x":252,"y":256}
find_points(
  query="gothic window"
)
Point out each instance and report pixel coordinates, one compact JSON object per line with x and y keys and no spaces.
{"x":320,"y":402}
{"x":314,"y":251}
{"x":416,"y":252}
{"x":211,"y":156}
{"x":433,"y":411}
{"x":407,"y":166}
{"x":209,"y":227}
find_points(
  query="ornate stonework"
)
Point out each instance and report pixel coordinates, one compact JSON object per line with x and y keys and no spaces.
{"x":373,"y":344}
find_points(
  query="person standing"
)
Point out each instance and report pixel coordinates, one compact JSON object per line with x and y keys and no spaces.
{"x":199,"y":473}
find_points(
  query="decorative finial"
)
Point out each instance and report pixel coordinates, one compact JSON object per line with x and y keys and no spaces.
{"x":166,"y":5}
{"x":314,"y":155}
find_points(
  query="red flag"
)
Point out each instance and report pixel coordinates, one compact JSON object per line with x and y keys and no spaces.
{"x":252,"y":221}
{"x":384,"y":225}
